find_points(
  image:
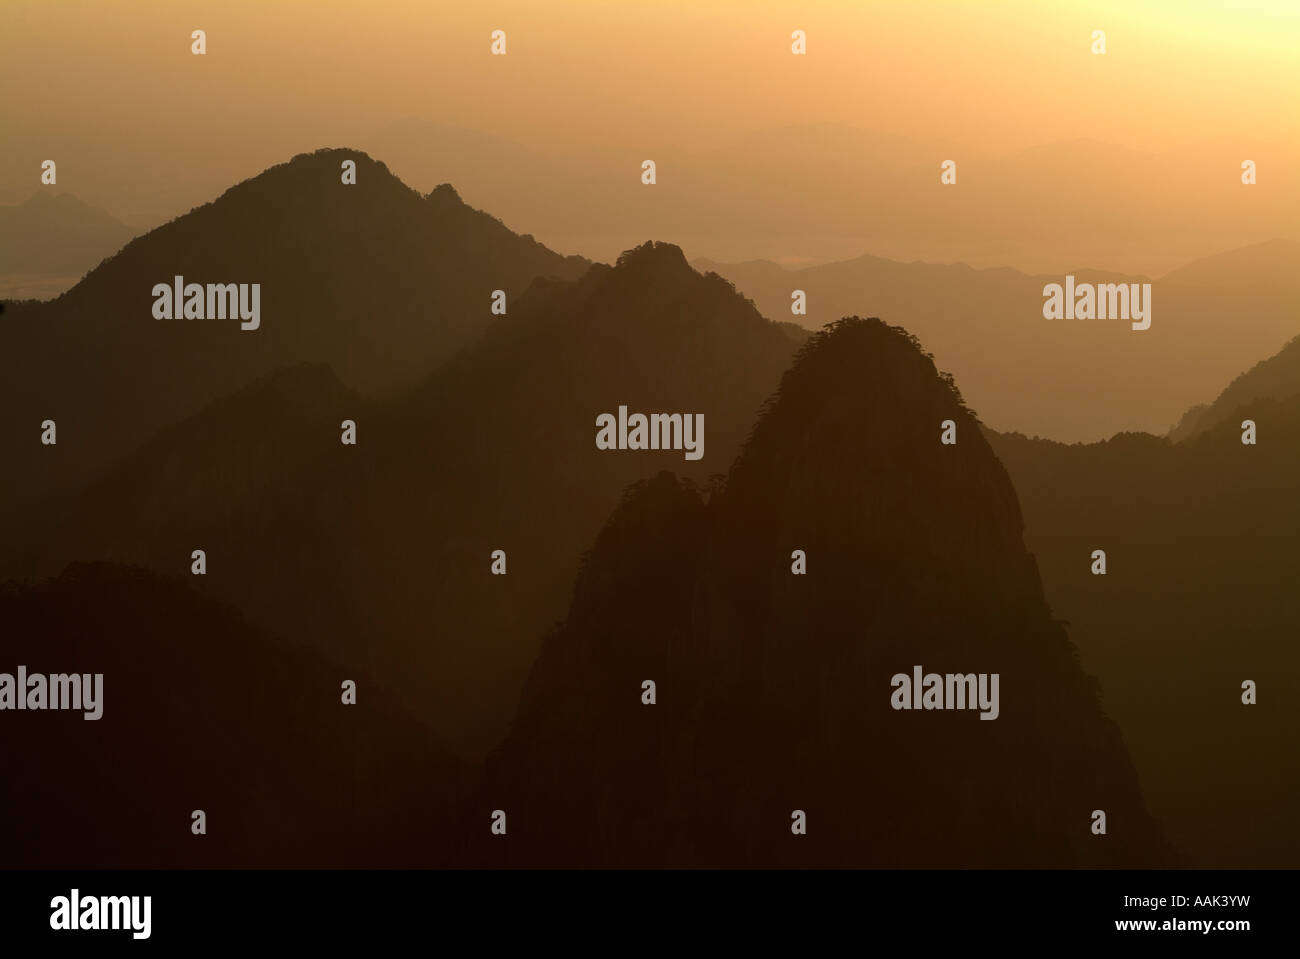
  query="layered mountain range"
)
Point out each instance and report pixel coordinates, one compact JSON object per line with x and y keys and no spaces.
{"x":394,"y":484}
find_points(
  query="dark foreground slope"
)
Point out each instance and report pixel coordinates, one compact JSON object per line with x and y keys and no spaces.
{"x":774,"y":690}
{"x":259,"y":481}
{"x":201,"y":711}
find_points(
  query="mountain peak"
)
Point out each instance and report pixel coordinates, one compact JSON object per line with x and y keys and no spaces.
{"x":653,"y":254}
{"x":331,"y":156}
{"x":43,"y":198}
{"x":850,"y":444}
{"x":343,"y":271}
{"x":776,"y":677}
{"x":445,"y":195}
{"x":869,"y":367}
{"x":322,"y":166}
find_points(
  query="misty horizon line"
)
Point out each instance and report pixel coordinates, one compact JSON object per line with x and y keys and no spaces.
{"x":527,"y":148}
{"x":1280,"y":133}
{"x":792,"y":263}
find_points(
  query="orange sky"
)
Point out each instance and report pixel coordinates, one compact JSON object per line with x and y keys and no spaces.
{"x":117,"y":85}
{"x":994,"y":75}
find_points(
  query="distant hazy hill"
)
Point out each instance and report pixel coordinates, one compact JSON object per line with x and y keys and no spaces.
{"x":50,"y":240}
{"x":1277,"y":377}
{"x":1065,"y":379}
{"x":374,"y":279}
{"x":258,"y":480}
{"x":1202,"y":541}
{"x":380,"y":554}
{"x":774,"y":690}
{"x":202,"y":711}
{"x":827,"y":191}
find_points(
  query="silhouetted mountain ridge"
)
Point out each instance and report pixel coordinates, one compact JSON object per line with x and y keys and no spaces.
{"x":497,"y":450}
{"x":773,"y":689}
{"x":373,"y":279}
{"x":379,"y":553}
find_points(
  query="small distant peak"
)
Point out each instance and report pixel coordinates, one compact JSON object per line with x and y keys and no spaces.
{"x":46,"y":198}
{"x":855,"y":358}
{"x":444,"y":196}
{"x":330,"y":154}
{"x":317,"y":170}
{"x":328,"y":160}
{"x":652,"y":255}
{"x":864,"y":335}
